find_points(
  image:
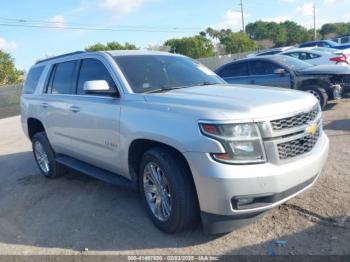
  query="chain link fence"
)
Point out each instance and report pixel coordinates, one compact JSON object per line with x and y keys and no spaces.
{"x":216,"y":61}
{"x":9,"y":100}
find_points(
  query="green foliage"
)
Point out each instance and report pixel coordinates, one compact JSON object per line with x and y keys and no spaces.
{"x":8,"y":73}
{"x":195,"y":47}
{"x":236,"y":42}
{"x":282,"y":34}
{"x":111,"y":46}
{"x":336,"y":28}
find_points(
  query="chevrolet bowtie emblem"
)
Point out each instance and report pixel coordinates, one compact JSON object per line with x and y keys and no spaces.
{"x":312,"y":129}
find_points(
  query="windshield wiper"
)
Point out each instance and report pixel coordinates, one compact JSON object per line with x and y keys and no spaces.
{"x":166,"y":88}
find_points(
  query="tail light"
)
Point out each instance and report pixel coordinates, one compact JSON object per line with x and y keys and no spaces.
{"x":340,"y":59}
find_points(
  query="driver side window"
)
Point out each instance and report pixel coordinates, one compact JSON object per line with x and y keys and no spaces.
{"x":93,"y":69}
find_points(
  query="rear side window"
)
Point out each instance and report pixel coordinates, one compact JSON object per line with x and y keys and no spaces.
{"x":64,"y":78}
{"x":32,"y":80}
{"x":262,"y":68}
{"x":234,"y":70}
{"x":93,"y":69}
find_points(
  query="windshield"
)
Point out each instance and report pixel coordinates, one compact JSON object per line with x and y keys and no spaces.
{"x":292,"y":63}
{"x":147,"y":73}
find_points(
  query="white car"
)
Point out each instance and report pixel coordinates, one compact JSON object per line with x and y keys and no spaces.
{"x":319,"y":55}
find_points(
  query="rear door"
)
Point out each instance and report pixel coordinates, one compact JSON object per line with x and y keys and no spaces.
{"x":60,"y":91}
{"x":235,"y":73}
{"x":262,"y":72}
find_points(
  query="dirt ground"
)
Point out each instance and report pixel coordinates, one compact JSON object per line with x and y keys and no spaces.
{"x":76,"y":214}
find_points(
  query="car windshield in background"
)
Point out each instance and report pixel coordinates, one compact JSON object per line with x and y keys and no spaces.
{"x":152,"y":73}
{"x":292,"y":63}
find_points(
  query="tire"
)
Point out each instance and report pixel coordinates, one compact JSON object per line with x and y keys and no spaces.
{"x":43,"y":151}
{"x":178,"y":188}
{"x":320,"y":93}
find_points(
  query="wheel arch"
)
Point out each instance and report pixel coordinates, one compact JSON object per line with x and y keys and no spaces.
{"x":139,"y":146}
{"x":320,"y":83}
{"x":34,"y":126}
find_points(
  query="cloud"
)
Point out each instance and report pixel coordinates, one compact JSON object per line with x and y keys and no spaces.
{"x":306,"y":9}
{"x":231,"y":20}
{"x":7,"y":45}
{"x":58,"y":21}
{"x":277,"y":19}
{"x":122,"y":7}
{"x":334,"y":2}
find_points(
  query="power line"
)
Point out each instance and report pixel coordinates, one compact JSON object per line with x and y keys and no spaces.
{"x":82,"y":26}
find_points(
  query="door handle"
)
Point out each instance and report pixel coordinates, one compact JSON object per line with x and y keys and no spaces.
{"x":252,"y":82}
{"x":44,"y":105}
{"x":74,"y":109}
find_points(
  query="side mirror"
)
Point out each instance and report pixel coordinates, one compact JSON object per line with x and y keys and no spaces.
{"x":280,"y":71}
{"x":98,"y":87}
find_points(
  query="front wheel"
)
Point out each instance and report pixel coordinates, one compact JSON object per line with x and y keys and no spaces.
{"x":167,"y":190}
{"x":319,"y":93}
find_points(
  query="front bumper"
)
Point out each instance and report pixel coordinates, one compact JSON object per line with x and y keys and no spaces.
{"x":219,"y":184}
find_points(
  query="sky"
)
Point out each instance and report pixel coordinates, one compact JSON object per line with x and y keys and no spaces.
{"x":141,"y":22}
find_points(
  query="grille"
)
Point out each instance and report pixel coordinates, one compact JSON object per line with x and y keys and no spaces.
{"x":294,"y":121}
{"x":297,"y":147}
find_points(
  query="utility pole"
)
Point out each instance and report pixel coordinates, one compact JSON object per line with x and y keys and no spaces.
{"x":315,"y":34}
{"x":242,"y":13}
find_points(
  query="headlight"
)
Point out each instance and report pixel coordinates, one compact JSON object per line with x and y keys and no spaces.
{"x":242,"y":142}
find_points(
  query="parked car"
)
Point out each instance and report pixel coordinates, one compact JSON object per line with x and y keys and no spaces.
{"x":318,"y":57}
{"x":324,"y":43}
{"x":271,"y":51}
{"x":326,"y":82}
{"x":343,"y":39}
{"x":169,"y":127}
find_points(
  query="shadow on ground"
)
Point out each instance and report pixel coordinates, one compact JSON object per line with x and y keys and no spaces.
{"x":335,"y":232}
{"x":340,"y":124}
{"x":75,"y":212}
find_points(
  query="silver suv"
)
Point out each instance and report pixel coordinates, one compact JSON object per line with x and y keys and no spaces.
{"x":196,"y":148}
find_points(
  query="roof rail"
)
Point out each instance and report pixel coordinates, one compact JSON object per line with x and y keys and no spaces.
{"x":59,"y":56}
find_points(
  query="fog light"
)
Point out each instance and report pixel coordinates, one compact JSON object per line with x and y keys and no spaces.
{"x":245,"y":201}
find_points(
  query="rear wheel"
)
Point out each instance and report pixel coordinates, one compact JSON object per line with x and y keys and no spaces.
{"x":167,"y":190}
{"x":319,"y":93}
{"x":45,"y":156}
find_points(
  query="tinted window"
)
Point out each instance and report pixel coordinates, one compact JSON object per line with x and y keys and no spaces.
{"x":32,"y":79}
{"x":303,"y":55}
{"x":344,"y":40}
{"x":147,"y":73}
{"x":64,"y":78}
{"x":92,"y":69}
{"x":236,"y":69}
{"x":262,"y":68}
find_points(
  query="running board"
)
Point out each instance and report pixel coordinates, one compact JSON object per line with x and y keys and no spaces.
{"x":101,"y":174}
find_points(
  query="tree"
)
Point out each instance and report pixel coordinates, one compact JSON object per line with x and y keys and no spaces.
{"x":285,"y":33}
{"x":8,"y":72}
{"x":236,"y":42}
{"x":195,"y":47}
{"x":111,"y":46}
{"x":335,"y":28}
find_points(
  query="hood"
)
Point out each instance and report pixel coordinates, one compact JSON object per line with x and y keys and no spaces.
{"x":224,"y":102}
{"x":326,"y":70}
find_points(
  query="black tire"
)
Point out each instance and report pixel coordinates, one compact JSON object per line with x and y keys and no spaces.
{"x":184,"y":212}
{"x":319,"y":92}
{"x":55,"y":169}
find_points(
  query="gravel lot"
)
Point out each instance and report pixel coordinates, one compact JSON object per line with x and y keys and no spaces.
{"x":74,"y":213}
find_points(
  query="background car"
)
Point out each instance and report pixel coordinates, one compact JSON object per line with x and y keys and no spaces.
{"x":324,"y":43}
{"x":325,"y":81}
{"x":318,"y":57}
{"x":271,"y":51}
